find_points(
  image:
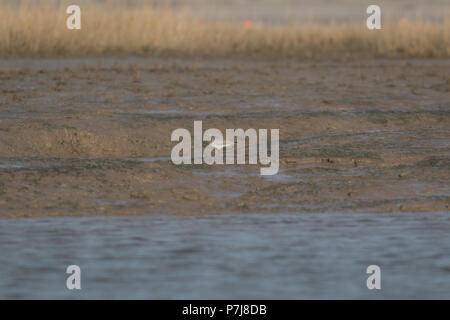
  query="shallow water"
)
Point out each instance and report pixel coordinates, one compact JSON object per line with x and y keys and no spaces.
{"x":228,"y":256}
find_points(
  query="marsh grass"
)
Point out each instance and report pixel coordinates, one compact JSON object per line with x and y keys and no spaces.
{"x":38,"y":29}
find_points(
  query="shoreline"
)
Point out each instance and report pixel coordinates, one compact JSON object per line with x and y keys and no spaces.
{"x":39,"y":29}
{"x":353,"y":137}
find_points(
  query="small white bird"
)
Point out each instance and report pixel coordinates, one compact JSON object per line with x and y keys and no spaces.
{"x":222,"y":145}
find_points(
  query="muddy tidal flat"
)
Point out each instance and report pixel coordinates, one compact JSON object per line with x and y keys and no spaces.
{"x":89,"y":137}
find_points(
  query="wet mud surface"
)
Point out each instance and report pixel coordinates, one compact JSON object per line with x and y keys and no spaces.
{"x":92,"y":137}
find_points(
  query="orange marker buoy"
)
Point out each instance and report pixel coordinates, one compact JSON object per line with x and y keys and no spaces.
{"x":248,"y":24}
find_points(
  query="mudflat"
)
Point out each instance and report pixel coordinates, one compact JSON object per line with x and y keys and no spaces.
{"x":86,"y":137}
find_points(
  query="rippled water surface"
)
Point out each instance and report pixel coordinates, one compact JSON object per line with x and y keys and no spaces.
{"x":228,"y":256}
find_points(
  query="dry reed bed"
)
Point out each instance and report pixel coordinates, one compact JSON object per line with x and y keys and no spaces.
{"x":40,"y":30}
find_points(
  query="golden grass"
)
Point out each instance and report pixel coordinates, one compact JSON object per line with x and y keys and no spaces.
{"x":39,"y":29}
